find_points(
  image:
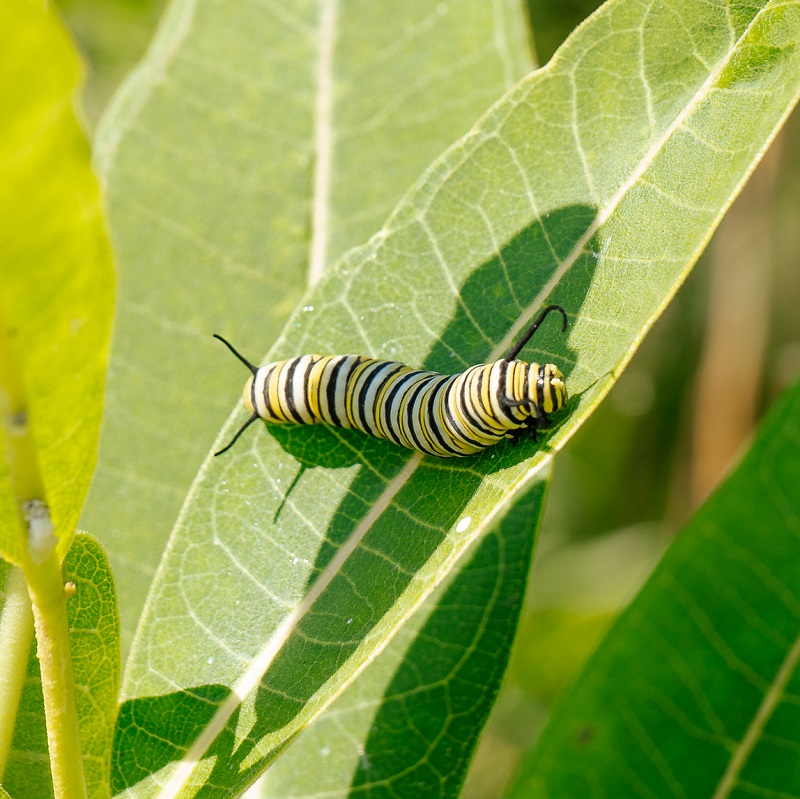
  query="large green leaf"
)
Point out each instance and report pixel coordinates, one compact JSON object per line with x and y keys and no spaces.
{"x":94,"y":642}
{"x":694,"y":691}
{"x":56,"y":282}
{"x":595,"y":183}
{"x":253,"y":145}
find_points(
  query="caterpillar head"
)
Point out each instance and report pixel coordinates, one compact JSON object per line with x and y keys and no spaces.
{"x":546,"y":387}
{"x":545,"y":382}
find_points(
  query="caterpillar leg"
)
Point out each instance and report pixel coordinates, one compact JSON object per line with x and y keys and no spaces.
{"x":539,"y":422}
{"x":526,"y":432}
{"x":531,"y":428}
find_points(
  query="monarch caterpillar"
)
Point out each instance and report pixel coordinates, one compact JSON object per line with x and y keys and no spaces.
{"x":442,"y":415}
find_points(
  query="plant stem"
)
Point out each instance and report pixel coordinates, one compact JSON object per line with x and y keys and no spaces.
{"x":46,"y":586}
{"x":41,"y":567}
{"x":16,"y":634}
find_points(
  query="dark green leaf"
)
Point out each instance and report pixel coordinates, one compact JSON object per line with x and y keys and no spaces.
{"x":409,"y":724}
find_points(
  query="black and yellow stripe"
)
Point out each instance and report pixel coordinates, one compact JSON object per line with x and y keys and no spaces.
{"x":442,"y":415}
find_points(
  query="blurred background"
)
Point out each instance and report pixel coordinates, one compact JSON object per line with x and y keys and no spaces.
{"x":675,"y":422}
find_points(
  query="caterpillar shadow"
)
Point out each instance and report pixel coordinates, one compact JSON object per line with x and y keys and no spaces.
{"x":412,"y":528}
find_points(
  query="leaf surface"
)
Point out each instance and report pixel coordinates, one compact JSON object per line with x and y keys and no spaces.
{"x":94,"y":633}
{"x":94,"y":639}
{"x":594,"y":183}
{"x":409,"y":724}
{"x":56,"y":281}
{"x":254,"y":144}
{"x":694,"y":691}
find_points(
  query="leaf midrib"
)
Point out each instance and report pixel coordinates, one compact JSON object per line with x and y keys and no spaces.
{"x":763,"y":714}
{"x":323,"y":143}
{"x":605,"y":213}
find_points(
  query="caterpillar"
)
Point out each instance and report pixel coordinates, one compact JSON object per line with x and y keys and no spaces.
{"x":442,"y":415}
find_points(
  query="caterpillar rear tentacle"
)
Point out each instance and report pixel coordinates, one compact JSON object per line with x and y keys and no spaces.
{"x":442,"y":415}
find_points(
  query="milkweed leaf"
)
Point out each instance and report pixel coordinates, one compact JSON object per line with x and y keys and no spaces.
{"x":594,"y":183}
{"x":413,"y":718}
{"x":94,"y":643}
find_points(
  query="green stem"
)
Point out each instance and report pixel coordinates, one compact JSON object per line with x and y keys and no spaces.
{"x":16,"y":634}
{"x":42,"y":571}
{"x":46,"y":586}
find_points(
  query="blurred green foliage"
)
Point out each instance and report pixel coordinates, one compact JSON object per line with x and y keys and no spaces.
{"x":112,"y":34}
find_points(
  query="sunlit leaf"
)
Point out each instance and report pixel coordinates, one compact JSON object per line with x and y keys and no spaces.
{"x":56,"y":282}
{"x":594,"y":183}
{"x":94,"y":634}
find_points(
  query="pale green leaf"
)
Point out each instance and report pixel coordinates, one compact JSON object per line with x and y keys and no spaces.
{"x":594,"y":183}
{"x":94,"y":643}
{"x":253,"y":145}
{"x":694,"y":691}
{"x":56,"y":282}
